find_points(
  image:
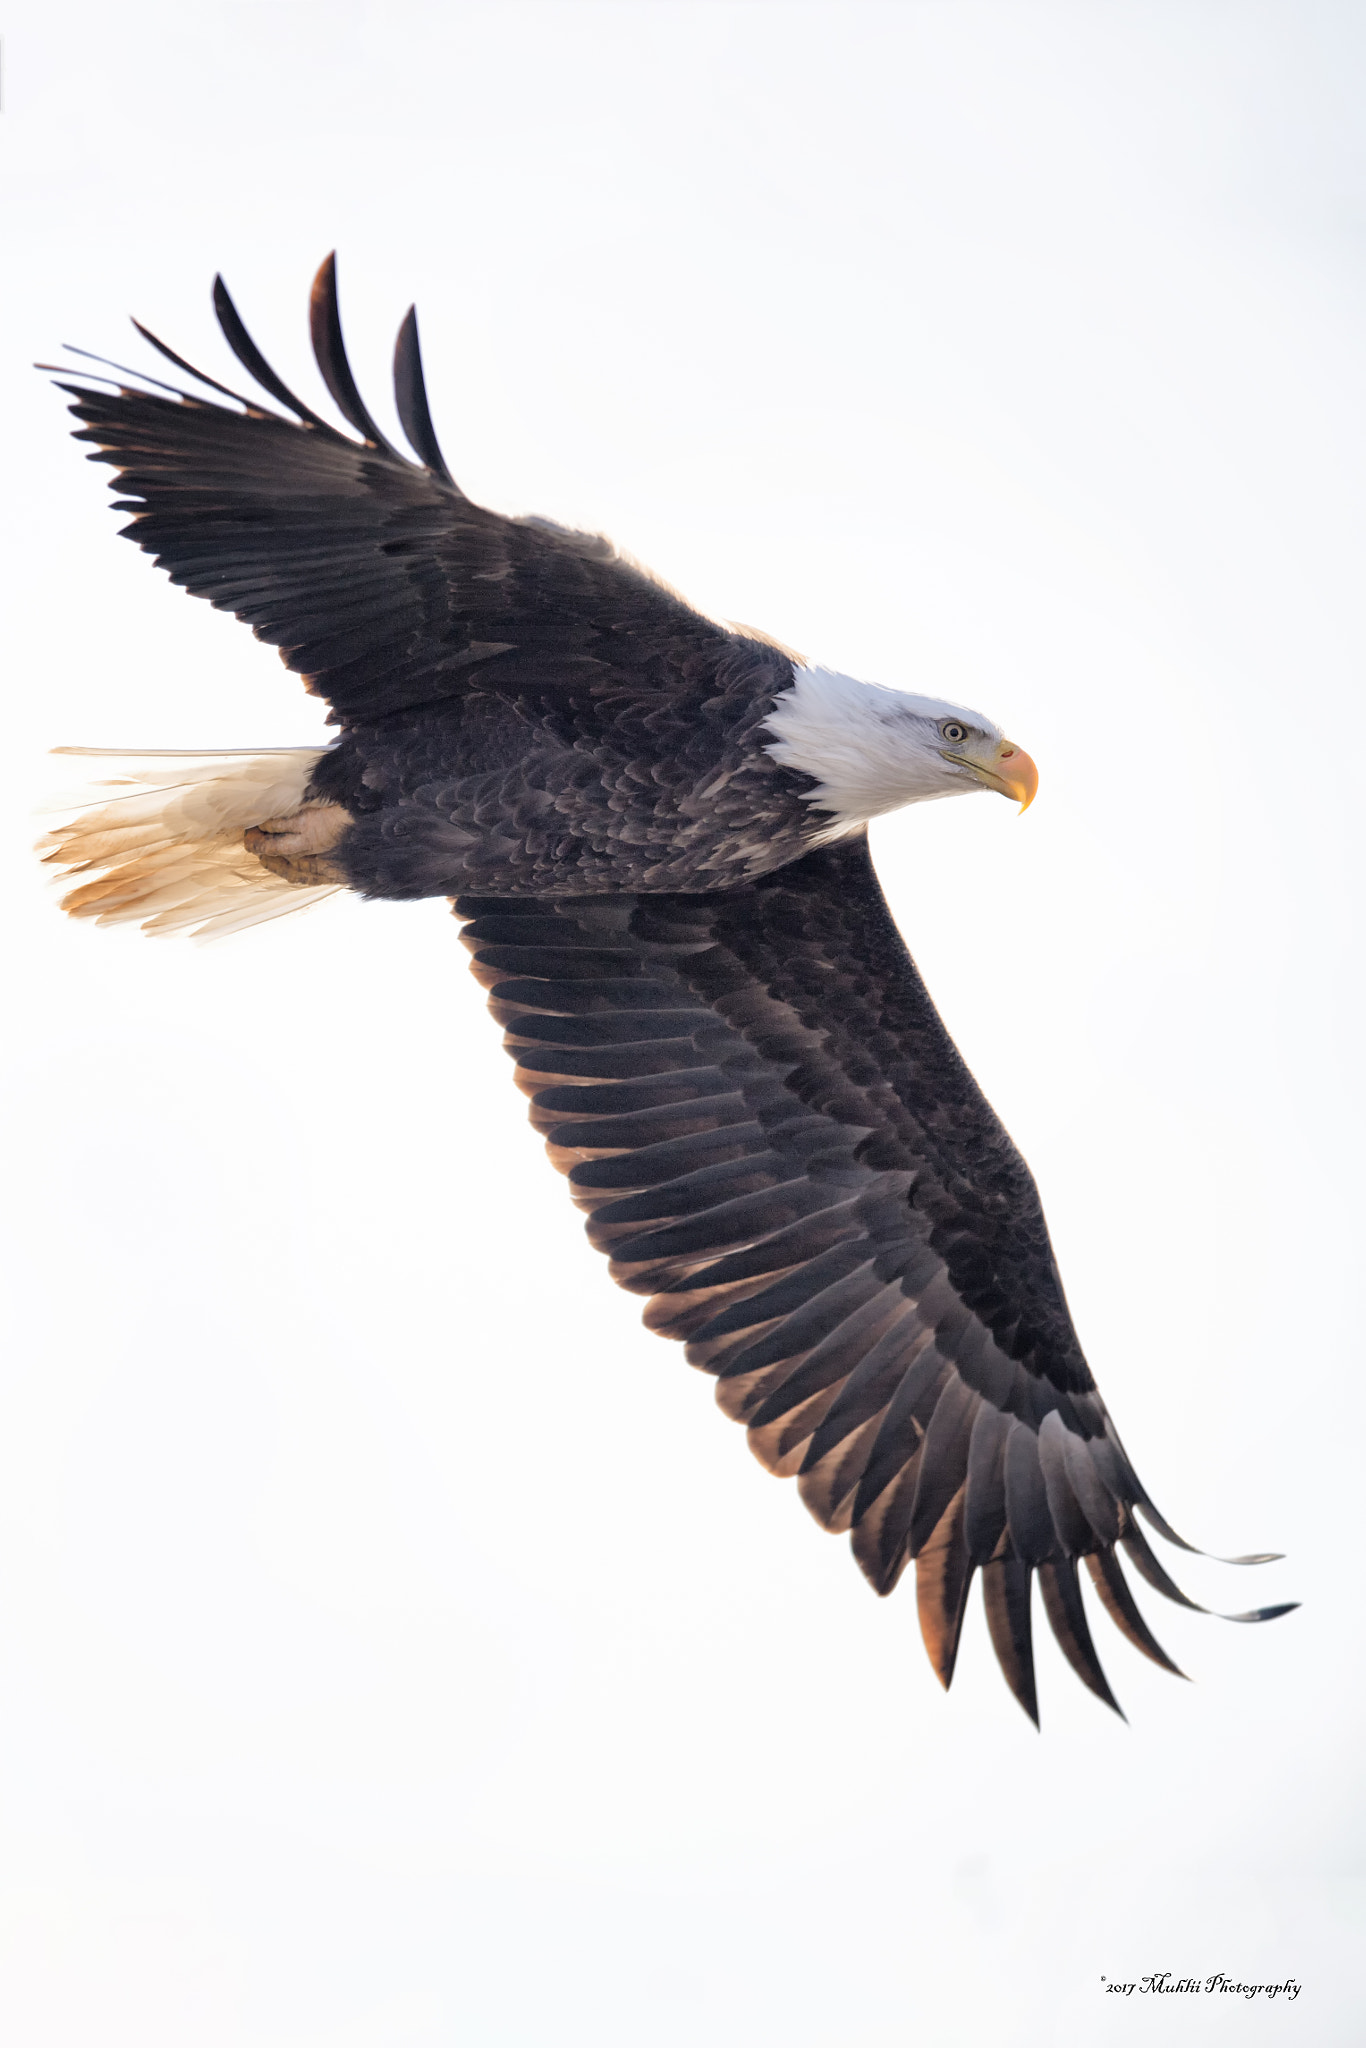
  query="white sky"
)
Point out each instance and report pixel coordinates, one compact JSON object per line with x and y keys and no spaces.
{"x":397,"y":1649}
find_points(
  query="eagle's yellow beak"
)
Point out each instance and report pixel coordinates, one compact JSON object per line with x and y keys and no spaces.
{"x":1013,"y":773}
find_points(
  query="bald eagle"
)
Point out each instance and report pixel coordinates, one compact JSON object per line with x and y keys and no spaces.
{"x":653,"y":826}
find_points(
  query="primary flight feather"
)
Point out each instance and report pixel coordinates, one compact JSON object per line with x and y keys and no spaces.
{"x":654,"y":830}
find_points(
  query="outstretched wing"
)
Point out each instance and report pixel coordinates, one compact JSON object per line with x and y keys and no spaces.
{"x":377,"y":578}
{"x":777,"y":1141}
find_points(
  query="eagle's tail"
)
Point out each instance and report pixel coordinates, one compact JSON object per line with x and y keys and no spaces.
{"x":162,"y":840}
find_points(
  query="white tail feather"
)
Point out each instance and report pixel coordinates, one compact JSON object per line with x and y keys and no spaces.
{"x":167,"y":849}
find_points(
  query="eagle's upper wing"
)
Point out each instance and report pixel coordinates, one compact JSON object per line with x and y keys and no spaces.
{"x":378,"y":579}
{"x":779,"y":1143}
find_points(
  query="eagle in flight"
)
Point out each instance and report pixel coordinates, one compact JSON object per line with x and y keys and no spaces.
{"x":653,"y":826}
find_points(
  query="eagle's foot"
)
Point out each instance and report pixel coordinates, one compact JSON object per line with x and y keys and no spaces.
{"x":296,"y":847}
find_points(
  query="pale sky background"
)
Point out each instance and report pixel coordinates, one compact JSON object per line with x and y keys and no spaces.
{"x":397,"y":1648}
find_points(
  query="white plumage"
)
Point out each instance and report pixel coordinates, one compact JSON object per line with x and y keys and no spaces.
{"x":167,"y":849}
{"x":872,"y":749}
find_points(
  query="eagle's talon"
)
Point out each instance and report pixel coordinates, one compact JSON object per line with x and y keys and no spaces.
{"x":295,"y":847}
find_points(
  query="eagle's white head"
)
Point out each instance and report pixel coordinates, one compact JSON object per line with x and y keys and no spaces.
{"x":872,"y":750}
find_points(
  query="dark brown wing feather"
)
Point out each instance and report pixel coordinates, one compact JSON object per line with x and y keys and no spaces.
{"x":377,"y":579}
{"x":410,"y":396}
{"x":775,"y":1139}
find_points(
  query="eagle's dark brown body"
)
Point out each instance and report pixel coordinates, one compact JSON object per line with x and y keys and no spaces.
{"x":516,"y":788}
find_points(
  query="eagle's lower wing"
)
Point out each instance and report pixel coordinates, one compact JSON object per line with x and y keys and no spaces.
{"x":379,"y":581}
{"x":778,"y":1142}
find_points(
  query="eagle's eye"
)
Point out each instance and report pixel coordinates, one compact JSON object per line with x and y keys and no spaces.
{"x":953,"y":731}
